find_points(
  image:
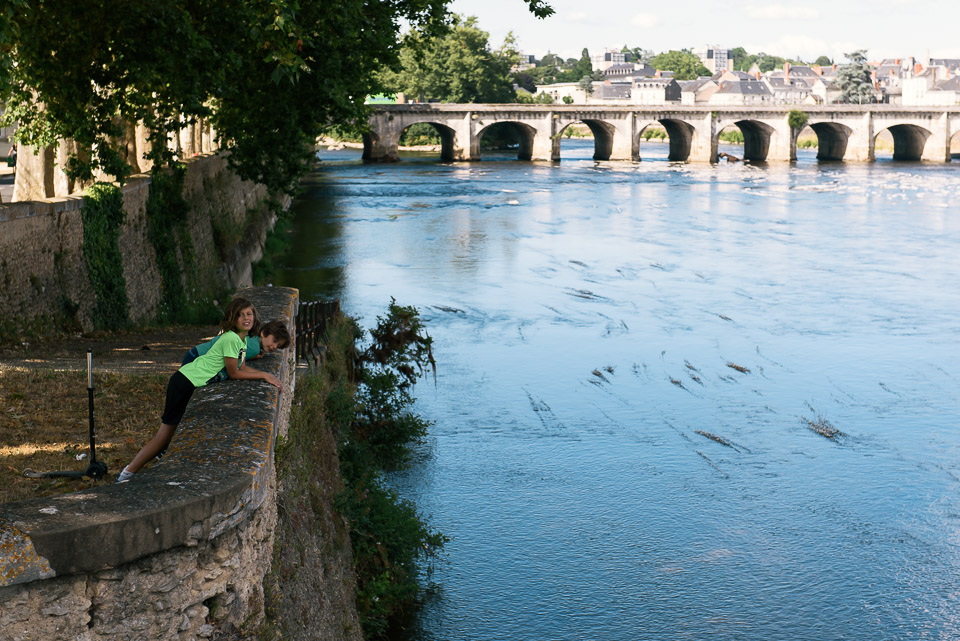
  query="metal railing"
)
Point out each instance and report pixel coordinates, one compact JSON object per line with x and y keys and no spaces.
{"x":312,"y":320}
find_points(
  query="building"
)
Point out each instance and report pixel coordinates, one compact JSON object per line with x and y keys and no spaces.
{"x":826,"y":90}
{"x":608,"y":91}
{"x":605,"y":60}
{"x":560,"y":90}
{"x":697,"y":91}
{"x":525,"y":61}
{"x":655,"y":91}
{"x":628,"y":72}
{"x":931,"y":87}
{"x":745,"y":92}
{"x":715,"y":59}
{"x":787,"y":91}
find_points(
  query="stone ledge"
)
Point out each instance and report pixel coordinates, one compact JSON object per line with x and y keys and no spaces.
{"x":215,"y":476}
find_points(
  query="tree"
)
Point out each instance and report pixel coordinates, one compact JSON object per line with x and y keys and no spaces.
{"x":739,"y":54}
{"x":854,"y":79}
{"x":586,"y":84}
{"x":637,"y":54}
{"x":525,"y":81}
{"x":584,"y":65}
{"x":550,"y":60}
{"x":457,"y":67}
{"x":270,"y":75}
{"x":823,"y":61}
{"x":683,"y":64}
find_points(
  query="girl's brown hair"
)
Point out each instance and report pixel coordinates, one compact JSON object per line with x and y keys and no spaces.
{"x":232,"y":313}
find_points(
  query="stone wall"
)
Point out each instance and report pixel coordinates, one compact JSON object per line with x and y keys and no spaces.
{"x":178,"y":553}
{"x":43,"y":274}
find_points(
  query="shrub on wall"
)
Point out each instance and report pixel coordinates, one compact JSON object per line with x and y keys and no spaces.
{"x":169,"y":233}
{"x":797,"y":119}
{"x":102,"y":216}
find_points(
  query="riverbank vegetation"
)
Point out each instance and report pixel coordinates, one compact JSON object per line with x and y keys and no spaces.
{"x":360,"y":407}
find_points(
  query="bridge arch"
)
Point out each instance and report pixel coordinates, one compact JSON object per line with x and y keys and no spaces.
{"x":373,"y":140}
{"x":909,"y":140}
{"x":680,"y":136}
{"x":832,"y":138}
{"x":603,"y":133}
{"x":953,"y":147}
{"x":756,"y":137}
{"x":524,"y":133}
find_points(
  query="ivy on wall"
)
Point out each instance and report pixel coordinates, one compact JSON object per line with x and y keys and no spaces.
{"x":102,"y":216}
{"x":169,"y":233}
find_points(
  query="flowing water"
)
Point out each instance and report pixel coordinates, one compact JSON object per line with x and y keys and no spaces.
{"x":673,"y":401}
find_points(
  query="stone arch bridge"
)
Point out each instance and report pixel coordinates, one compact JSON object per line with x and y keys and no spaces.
{"x":845,"y":132}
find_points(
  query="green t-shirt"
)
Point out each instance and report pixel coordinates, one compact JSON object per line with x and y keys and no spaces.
{"x":253,"y":348}
{"x":228,"y":345}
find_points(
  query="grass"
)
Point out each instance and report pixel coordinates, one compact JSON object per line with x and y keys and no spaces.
{"x":44,"y":425}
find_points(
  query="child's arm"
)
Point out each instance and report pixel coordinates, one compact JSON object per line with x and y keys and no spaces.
{"x":249,"y":374}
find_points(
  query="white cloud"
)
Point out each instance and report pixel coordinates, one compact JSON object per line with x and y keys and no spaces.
{"x":645,"y":20}
{"x":579,"y":17}
{"x":781,"y":12}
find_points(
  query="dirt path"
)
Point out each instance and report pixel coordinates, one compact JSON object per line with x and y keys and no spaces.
{"x":156,"y":351}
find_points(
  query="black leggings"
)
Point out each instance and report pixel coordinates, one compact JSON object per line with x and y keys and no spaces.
{"x":179,"y":391}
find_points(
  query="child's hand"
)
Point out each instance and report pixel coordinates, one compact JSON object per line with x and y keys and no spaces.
{"x":273,"y":380}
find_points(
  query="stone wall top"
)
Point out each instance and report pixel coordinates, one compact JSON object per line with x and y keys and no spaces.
{"x":214,"y":476}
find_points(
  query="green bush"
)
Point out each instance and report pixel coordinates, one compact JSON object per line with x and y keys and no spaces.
{"x":420,"y":134}
{"x":732,"y":136}
{"x":651,"y":132}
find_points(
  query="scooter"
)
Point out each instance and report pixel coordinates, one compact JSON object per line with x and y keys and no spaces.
{"x":96,"y":469}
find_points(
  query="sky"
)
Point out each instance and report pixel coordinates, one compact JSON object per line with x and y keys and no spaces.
{"x":885,"y":28}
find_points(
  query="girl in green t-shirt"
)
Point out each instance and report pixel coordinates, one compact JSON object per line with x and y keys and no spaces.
{"x":229,"y":352}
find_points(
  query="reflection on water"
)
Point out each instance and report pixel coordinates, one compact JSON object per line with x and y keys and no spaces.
{"x":632,"y":357}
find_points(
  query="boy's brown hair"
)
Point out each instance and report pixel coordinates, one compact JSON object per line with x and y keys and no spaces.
{"x":279,"y":331}
{"x":232,"y":313}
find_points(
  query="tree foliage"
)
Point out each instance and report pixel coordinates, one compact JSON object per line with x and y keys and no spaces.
{"x":739,"y":54}
{"x":823,"y":61}
{"x":854,"y":79}
{"x":683,"y":64}
{"x":797,"y":119}
{"x":456,"y":67}
{"x":584,"y":64}
{"x":269,"y":75}
{"x":586,"y":84}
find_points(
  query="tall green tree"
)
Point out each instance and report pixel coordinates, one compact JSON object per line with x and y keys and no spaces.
{"x":270,"y":75}
{"x":584,"y":65}
{"x":457,"y":67}
{"x":683,"y":64}
{"x":823,"y":61}
{"x":854,"y":79}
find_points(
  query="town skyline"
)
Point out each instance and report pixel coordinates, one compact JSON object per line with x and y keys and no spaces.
{"x":887,"y":29}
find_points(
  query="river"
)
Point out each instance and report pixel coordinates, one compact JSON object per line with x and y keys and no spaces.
{"x":634,"y":360}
